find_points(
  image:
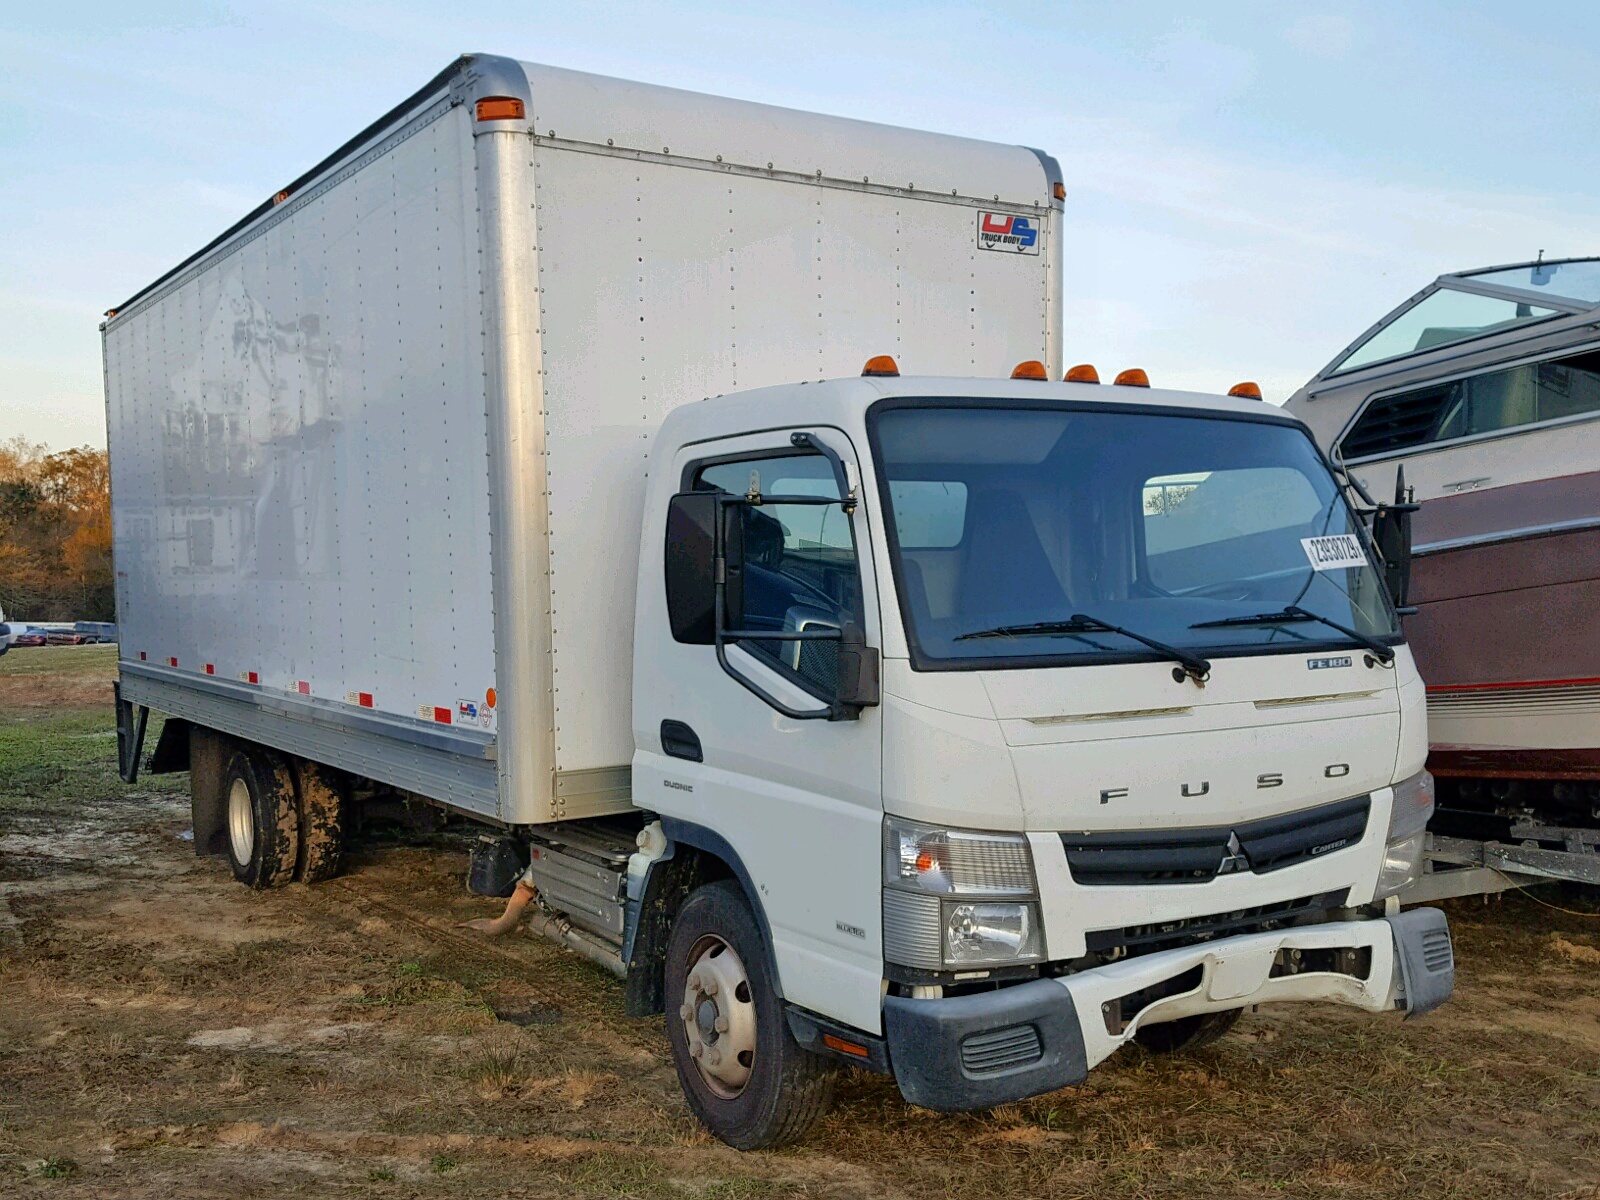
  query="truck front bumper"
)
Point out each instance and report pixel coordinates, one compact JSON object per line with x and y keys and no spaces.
{"x":995,"y":1047}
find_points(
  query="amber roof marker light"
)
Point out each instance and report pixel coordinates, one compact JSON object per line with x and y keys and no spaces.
{"x":1082,"y":373}
{"x":1032,"y":369}
{"x":881,"y":365}
{"x":1247,"y":390}
{"x":1132,"y":377}
{"x":500,"y":108}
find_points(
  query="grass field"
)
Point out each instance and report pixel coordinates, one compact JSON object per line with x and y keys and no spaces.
{"x":166,"y":1033}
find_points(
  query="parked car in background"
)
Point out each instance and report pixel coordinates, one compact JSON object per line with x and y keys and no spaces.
{"x":95,"y":632}
{"x":64,"y":637}
{"x":30,"y":636}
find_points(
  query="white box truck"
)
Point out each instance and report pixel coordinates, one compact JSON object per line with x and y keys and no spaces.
{"x":963,"y":725}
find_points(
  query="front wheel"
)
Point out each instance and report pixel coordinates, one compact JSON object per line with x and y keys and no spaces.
{"x":745,"y":1077}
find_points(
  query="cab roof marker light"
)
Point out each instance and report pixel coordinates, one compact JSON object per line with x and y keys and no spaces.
{"x":1248,"y":390}
{"x":1132,"y":377}
{"x":1060,"y":190}
{"x":1082,"y":373}
{"x":500,"y":108}
{"x":882,"y":366}
{"x":1032,"y":369}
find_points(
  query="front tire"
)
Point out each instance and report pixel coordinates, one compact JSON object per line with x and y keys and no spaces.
{"x":262,"y":818}
{"x":743,"y":1074}
{"x":1187,"y":1033}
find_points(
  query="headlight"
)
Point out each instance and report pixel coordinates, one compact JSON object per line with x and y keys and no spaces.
{"x":930,"y":873}
{"x":1402,"y":856}
{"x":990,"y":933}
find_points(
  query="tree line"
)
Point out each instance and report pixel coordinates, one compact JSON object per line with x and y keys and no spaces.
{"x":55,"y":534}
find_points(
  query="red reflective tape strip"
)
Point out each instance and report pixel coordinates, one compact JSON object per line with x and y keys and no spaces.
{"x":143,"y":656}
{"x":1521,"y":683}
{"x":254,"y":678}
{"x":442,"y":715}
{"x":365,"y":699}
{"x":211,"y":668}
{"x":172,"y":662}
{"x":303,"y":687}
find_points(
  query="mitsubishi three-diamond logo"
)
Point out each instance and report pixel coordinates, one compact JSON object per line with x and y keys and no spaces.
{"x":1234,"y":859}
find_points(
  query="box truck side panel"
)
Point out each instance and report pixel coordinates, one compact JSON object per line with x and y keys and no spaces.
{"x":665,"y":281}
{"x":300,"y":421}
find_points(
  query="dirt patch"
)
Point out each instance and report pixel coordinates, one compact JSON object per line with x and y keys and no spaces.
{"x":167,"y":1033}
{"x":1575,"y":951}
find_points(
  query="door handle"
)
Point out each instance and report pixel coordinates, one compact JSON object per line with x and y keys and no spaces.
{"x":679,"y":741}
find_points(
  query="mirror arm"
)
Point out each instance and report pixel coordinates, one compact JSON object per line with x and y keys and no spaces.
{"x":847,"y":491}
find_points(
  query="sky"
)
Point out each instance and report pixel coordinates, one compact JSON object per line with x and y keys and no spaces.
{"x":1249,"y":186}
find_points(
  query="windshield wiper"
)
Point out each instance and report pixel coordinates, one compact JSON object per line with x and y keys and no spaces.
{"x":1195,"y":667}
{"x":1293,"y":613}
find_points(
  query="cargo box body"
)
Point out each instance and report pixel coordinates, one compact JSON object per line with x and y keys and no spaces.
{"x":379,"y":452}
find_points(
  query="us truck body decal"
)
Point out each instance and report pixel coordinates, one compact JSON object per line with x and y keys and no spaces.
{"x":1008,"y":234}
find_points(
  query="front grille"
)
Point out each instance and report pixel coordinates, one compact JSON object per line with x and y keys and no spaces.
{"x":1001,"y":1049}
{"x":1147,"y":856}
{"x":1186,"y":931}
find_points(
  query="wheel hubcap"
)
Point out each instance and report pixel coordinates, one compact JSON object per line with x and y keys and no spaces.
{"x":241,"y":822}
{"x":719,"y":1016}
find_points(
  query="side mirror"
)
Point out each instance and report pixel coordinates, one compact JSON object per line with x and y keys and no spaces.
{"x":1391,"y":534}
{"x":691,"y":567}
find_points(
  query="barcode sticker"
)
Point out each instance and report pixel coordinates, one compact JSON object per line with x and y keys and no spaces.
{"x":1335,"y":552}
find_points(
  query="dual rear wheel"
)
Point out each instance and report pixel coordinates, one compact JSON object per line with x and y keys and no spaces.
{"x":284,"y":818}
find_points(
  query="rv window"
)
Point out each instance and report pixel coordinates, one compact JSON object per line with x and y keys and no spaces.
{"x":1479,"y":404}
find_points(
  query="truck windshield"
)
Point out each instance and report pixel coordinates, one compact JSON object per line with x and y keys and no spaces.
{"x":1166,"y":524}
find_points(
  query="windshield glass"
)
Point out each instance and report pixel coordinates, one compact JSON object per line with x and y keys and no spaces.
{"x":1579,"y":280}
{"x":1008,"y":515}
{"x":1444,"y":317}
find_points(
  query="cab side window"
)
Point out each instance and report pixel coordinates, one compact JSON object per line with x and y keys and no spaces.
{"x":800,"y":569}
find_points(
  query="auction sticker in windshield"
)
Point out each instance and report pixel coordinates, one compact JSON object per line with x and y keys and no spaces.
{"x":1011,"y":234}
{"x":1335,"y":552}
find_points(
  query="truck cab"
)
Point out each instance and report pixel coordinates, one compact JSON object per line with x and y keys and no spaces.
{"x":991,"y":725}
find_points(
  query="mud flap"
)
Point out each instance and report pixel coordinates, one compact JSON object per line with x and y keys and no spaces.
{"x":131,"y":722}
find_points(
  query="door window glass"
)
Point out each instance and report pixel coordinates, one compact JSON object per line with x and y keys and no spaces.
{"x":800,"y":569}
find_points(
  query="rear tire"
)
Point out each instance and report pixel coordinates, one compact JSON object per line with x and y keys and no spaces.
{"x":263,"y":823}
{"x":1187,"y":1033}
{"x":322,"y":792}
{"x":758,"y":1087}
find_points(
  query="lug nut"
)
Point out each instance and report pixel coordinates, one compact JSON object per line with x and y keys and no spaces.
{"x":696,"y":1050}
{"x":686,"y":1013}
{"x":720,"y":1025}
{"x":694,"y":981}
{"x":713,"y":1057}
{"x":710,"y":987}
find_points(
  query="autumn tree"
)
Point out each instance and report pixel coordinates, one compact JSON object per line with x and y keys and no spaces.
{"x":55,"y":533}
